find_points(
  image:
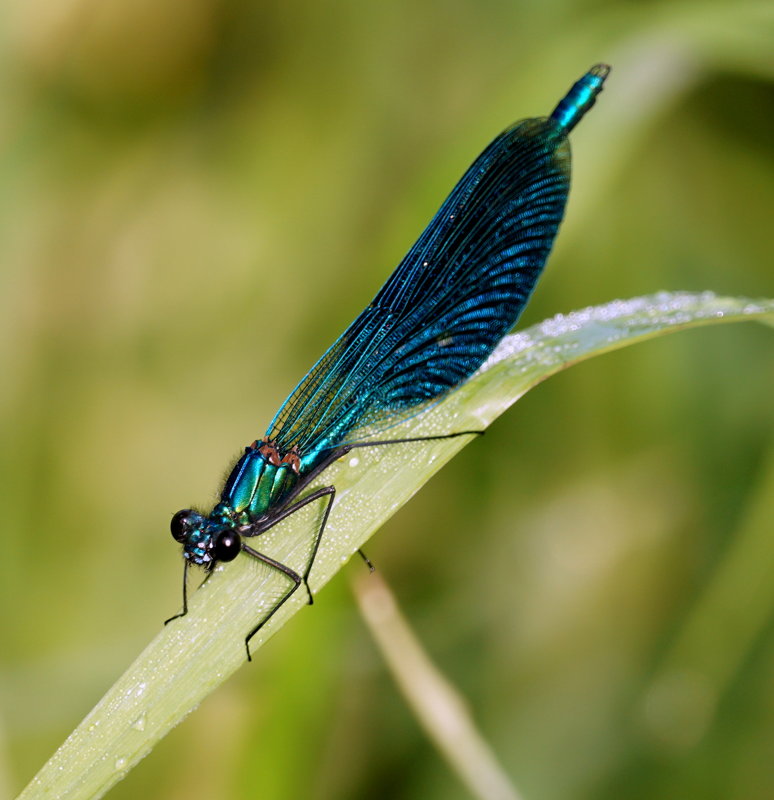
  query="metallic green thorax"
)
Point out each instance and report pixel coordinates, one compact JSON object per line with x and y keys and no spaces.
{"x":259,"y":480}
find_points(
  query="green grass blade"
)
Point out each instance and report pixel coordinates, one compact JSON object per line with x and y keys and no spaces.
{"x":438,"y":707}
{"x":193,"y":655}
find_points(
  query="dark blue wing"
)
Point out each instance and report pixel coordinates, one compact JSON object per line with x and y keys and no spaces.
{"x":457,"y":292}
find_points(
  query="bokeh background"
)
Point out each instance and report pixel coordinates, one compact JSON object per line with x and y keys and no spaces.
{"x":196,"y":197}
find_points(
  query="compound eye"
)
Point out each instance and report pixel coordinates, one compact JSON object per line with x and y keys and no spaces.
{"x":181,"y":524}
{"x":227,"y":546}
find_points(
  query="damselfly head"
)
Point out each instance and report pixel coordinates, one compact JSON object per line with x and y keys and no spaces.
{"x":184,"y":523}
{"x":204,"y":542}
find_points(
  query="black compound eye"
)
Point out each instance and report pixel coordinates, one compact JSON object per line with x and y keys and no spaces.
{"x":181,"y":524}
{"x":227,"y":546}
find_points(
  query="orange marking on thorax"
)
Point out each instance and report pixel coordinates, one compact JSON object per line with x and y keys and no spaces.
{"x":293,"y":460}
{"x":269,"y":451}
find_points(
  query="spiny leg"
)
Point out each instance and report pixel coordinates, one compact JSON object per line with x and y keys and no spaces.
{"x":185,"y":591}
{"x":289,"y":510}
{"x":439,"y":436}
{"x":325,"y":491}
{"x":316,"y":495}
{"x":368,"y":563}
{"x":294,"y":576}
{"x":185,"y":594}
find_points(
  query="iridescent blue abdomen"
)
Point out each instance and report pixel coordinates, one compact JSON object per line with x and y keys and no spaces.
{"x":580,"y":98}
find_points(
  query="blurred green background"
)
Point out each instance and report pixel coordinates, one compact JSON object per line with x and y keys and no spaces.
{"x":196,"y":198}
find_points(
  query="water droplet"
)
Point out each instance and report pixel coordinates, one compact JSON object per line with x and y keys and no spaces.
{"x":354,"y":461}
{"x":139,"y":723}
{"x":120,"y":763}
